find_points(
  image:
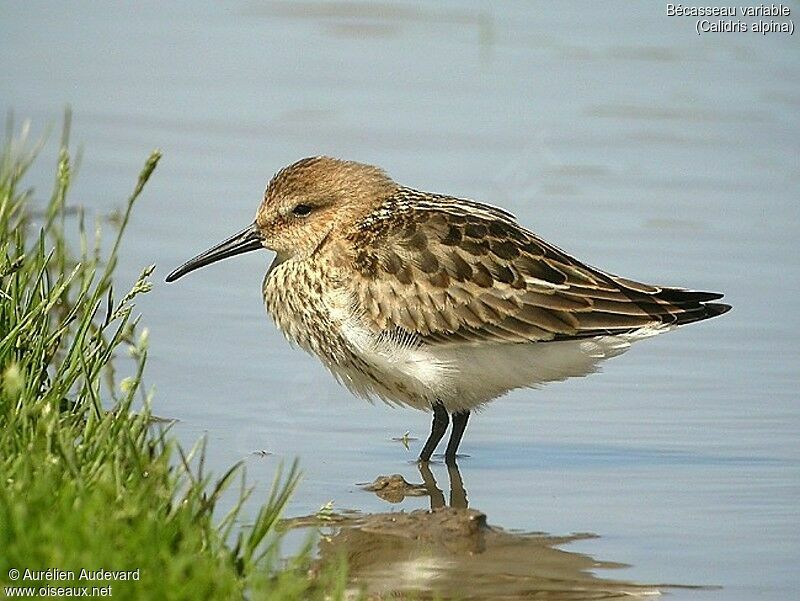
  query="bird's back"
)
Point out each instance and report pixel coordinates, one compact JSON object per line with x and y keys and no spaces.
{"x":451,"y":270}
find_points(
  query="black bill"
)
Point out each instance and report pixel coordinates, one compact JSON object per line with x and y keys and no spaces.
{"x":245,"y":241}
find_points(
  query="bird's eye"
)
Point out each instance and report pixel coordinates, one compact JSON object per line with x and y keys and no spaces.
{"x":301,"y":210}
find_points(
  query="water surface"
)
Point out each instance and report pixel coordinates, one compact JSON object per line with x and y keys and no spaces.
{"x":610,"y":129}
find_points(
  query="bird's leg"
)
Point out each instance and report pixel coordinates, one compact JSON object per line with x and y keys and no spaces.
{"x":459,"y":425}
{"x":438,"y":428}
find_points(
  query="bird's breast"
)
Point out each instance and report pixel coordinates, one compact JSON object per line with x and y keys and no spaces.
{"x":315,"y":309}
{"x":298,"y":297}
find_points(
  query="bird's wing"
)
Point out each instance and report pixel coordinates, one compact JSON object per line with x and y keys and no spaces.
{"x":455,"y":271}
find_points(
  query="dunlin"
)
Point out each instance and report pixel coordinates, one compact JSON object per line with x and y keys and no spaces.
{"x":435,"y":302}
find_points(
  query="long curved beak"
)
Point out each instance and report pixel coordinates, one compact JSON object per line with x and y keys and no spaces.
{"x":243,"y":242}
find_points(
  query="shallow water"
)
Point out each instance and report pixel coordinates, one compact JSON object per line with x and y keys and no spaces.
{"x":612,"y":130}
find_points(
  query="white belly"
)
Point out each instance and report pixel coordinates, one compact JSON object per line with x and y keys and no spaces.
{"x":465,"y":376}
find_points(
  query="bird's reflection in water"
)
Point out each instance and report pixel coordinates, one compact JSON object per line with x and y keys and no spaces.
{"x":450,"y":551}
{"x":458,"y":495}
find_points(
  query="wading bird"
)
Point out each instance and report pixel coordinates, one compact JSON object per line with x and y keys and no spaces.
{"x":435,"y":302}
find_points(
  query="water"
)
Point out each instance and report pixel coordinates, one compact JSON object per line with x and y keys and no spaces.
{"x":611,"y":129}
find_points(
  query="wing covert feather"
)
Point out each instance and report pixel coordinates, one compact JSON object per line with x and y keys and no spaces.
{"x":454,"y":271}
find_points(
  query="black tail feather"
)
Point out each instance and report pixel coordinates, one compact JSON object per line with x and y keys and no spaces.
{"x":709,"y":310}
{"x":680,"y":296}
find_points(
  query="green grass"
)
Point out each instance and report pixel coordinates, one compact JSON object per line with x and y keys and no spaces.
{"x":88,"y":480}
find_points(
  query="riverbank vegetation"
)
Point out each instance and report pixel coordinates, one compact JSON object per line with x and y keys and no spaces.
{"x":89,"y":479}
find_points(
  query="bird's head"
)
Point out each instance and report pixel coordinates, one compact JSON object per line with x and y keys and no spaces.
{"x":303,"y":205}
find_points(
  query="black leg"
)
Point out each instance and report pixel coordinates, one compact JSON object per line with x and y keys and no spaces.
{"x":438,"y":428}
{"x":459,"y":425}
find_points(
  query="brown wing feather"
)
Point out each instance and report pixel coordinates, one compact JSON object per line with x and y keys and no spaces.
{"x":449,"y":271}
